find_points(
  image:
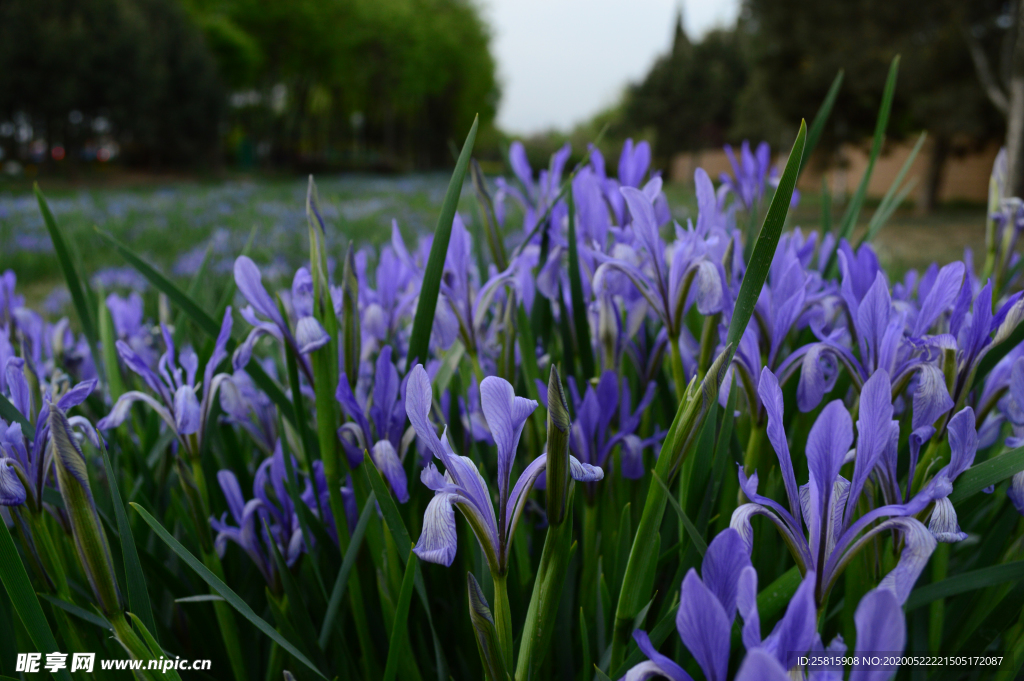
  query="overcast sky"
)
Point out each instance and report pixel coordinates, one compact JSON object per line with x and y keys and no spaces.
{"x":561,"y":61}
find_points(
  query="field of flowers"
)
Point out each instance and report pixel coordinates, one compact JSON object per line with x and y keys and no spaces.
{"x":563,"y":435}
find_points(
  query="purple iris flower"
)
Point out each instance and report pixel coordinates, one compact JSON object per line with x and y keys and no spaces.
{"x":468,"y":301}
{"x":270,"y":507}
{"x":247,"y":406}
{"x":378,"y":422}
{"x":174,"y":387}
{"x":670,"y":288}
{"x":976,"y":330}
{"x":1005,"y":223}
{"x":535,"y":197}
{"x":752,"y":172}
{"x":794,"y":297}
{"x":826,"y":505}
{"x":266,"y":318}
{"x":463,"y":486}
{"x":128,"y":317}
{"x":591,"y":439}
{"x":387,"y":305}
{"x":708,"y":605}
{"x":26,"y":463}
{"x":1005,"y":384}
{"x":877,"y":329}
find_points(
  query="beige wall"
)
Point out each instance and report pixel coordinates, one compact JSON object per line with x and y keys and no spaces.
{"x":964,"y":177}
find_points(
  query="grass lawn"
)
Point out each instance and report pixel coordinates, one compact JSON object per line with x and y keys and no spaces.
{"x":174,"y":224}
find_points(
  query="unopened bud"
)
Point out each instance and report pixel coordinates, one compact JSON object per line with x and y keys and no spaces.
{"x":90,"y":539}
{"x":558,"y":449}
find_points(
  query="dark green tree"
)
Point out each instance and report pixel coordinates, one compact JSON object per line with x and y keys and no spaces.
{"x":688,"y":98}
{"x":798,"y":46}
{"x":139,"y":64}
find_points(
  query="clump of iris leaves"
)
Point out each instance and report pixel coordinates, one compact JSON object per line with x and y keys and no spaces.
{"x":590,"y":443}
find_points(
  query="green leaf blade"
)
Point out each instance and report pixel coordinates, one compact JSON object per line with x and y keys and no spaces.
{"x":980,"y":476}
{"x":135,"y":578}
{"x":767,"y":241}
{"x":224,"y":590}
{"x":423,"y":322}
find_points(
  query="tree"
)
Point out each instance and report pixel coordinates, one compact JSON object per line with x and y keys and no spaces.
{"x":139,"y":66}
{"x":401,"y":77}
{"x":798,"y":46}
{"x":688,"y":97}
{"x":1003,"y":34}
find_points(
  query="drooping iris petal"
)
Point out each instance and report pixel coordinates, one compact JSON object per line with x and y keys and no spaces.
{"x":438,"y":539}
{"x":963,"y":443}
{"x":880,"y":627}
{"x":122,"y":408}
{"x":725,"y":559}
{"x":796,"y":632}
{"x":386,"y":459}
{"x":704,"y":627}
{"x":760,"y":665}
{"x":746,"y":603}
{"x":658,"y":666}
{"x":1016,"y":492}
{"x":310,"y":335}
{"x":771,"y":397}
{"x":12,"y":491}
{"x":943,"y":524}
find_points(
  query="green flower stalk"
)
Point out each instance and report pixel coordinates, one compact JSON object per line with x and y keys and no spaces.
{"x":487,"y":640}
{"x":90,"y":539}
{"x":558,"y":450}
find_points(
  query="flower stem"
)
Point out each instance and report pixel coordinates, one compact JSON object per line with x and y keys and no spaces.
{"x":936,"y":619}
{"x":503,"y":616}
{"x":678,"y":377}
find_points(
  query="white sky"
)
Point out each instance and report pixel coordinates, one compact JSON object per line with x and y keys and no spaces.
{"x":561,"y":61}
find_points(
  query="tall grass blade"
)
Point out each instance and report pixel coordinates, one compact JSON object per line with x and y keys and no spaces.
{"x":23,"y":598}
{"x":403,"y":544}
{"x":821,"y":118}
{"x":224,"y":590}
{"x":494,"y":240}
{"x":966,"y":581}
{"x":78,"y":290}
{"x":691,"y":529}
{"x":767,"y":240}
{"x":980,"y":476}
{"x":71,"y":608}
{"x":135,"y":578}
{"x":849,"y":220}
{"x":423,"y":322}
{"x":584,"y":349}
{"x":891,"y":200}
{"x":346,"y":567}
{"x":11,"y":414}
{"x":399,"y":632}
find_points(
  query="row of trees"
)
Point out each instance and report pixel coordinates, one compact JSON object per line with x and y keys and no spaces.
{"x":387,"y":82}
{"x":962,"y":65}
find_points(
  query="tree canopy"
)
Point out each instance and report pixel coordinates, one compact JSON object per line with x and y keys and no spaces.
{"x":291,"y":81}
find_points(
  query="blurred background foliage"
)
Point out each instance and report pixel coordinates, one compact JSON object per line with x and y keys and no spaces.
{"x":391,"y":85}
{"x":383,"y":84}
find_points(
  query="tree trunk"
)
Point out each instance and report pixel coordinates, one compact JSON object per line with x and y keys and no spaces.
{"x":1015,"y":114}
{"x":933,"y":174}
